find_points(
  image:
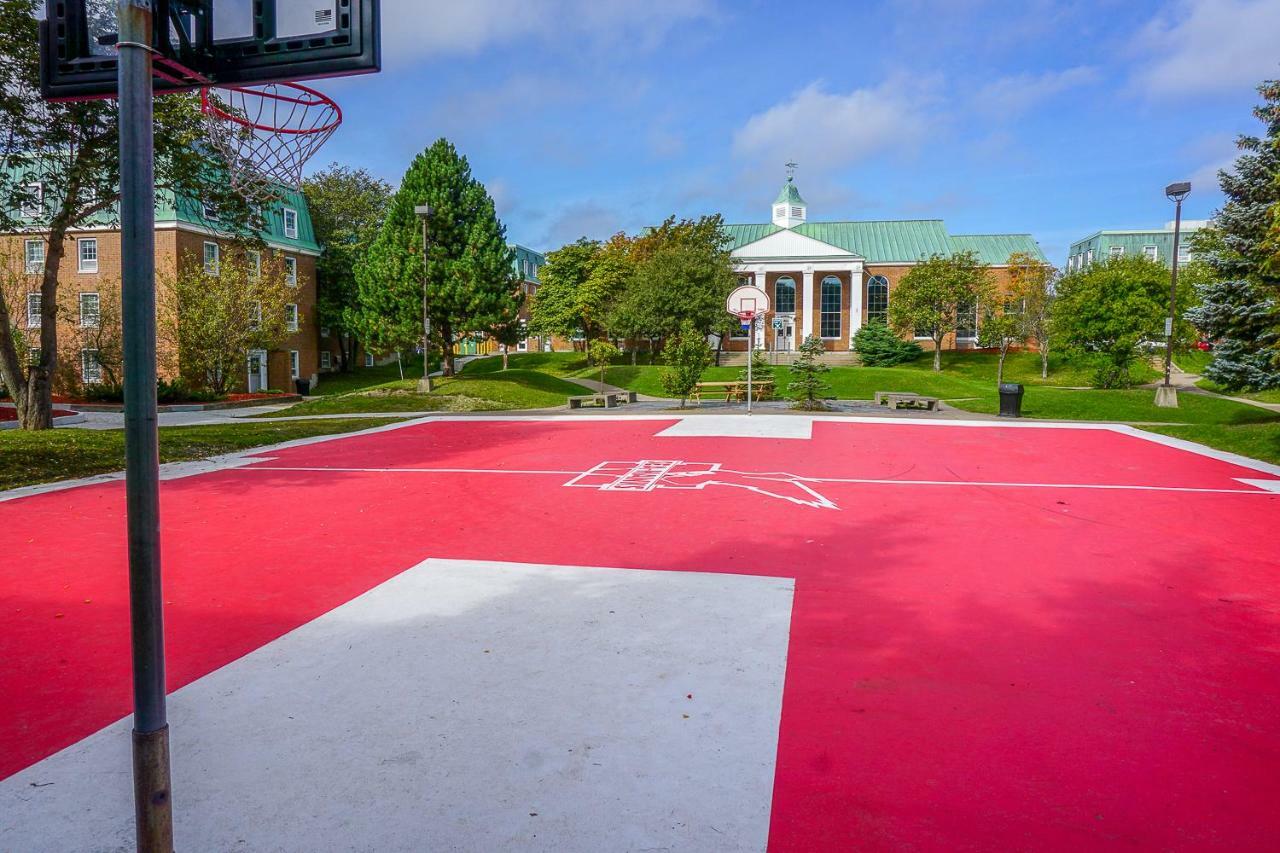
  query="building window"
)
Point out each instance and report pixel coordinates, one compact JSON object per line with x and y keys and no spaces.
{"x":212,"y":258}
{"x":291,"y":317}
{"x":210,"y":212}
{"x":35,"y":257}
{"x":291,"y":271}
{"x":33,"y":310}
{"x":294,"y":372}
{"x":90,"y":367}
{"x":967,"y":320}
{"x":291,"y":223}
{"x":830,"y":325}
{"x":88,"y":254}
{"x":89,"y":304}
{"x":368,"y":359}
{"x":878,"y":299}
{"x":255,"y":265}
{"x":326,"y":360}
{"x":34,"y":208}
{"x":1152,"y":253}
{"x":1184,"y":253}
{"x":1117,"y":251}
{"x":1089,"y":257}
{"x":255,"y":315}
{"x":324,"y":331}
{"x":784,"y":296}
{"x":33,"y":356}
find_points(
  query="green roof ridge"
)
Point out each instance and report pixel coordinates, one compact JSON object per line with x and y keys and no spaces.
{"x":788,"y":194}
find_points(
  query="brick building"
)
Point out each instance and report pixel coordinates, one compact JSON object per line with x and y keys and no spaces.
{"x":829,"y":278}
{"x":186,"y":232}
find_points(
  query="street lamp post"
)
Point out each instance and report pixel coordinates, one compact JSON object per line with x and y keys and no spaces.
{"x":424,"y":212}
{"x":1166,"y":394}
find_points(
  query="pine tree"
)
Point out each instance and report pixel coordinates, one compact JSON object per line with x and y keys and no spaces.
{"x":470,"y":274}
{"x":808,"y":386}
{"x":1241,"y":309}
{"x":878,"y":346}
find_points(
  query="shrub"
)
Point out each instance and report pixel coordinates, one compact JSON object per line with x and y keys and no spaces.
{"x":687,"y":355}
{"x":178,"y":391}
{"x":808,"y":387}
{"x":879,"y":346}
{"x":103,"y":392}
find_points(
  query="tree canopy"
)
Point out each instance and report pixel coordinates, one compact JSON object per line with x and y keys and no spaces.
{"x":930,"y":298}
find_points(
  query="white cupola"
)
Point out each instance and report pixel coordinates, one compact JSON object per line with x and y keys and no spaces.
{"x":789,"y":209}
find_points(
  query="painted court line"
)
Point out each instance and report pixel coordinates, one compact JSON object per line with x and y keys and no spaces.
{"x":1263,"y":487}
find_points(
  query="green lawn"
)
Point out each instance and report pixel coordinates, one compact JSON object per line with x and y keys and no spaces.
{"x":62,"y":454}
{"x":1270,"y":396}
{"x":1193,"y":360}
{"x":361,"y":378}
{"x":1259,"y":441}
{"x":512,"y":389}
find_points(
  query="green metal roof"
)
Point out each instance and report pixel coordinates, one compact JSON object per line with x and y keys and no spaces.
{"x":895,"y":240}
{"x":191,"y":211}
{"x":788,"y":194}
{"x":996,"y":248}
{"x":527,"y":262}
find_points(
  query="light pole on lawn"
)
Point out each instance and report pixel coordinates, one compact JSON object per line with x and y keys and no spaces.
{"x":1166,"y":394}
{"x":424,"y":212}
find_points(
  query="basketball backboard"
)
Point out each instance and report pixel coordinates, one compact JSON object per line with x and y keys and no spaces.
{"x":226,"y":42}
{"x":747,"y":302}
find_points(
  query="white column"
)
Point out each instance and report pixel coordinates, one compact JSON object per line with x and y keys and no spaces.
{"x":855,"y":300}
{"x":806,"y":321}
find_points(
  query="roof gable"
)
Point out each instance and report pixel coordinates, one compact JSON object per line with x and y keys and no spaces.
{"x":790,"y":243}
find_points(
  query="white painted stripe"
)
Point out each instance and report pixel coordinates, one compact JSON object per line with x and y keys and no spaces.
{"x":463,"y":705}
{"x":741,"y":426}
{"x":1269,"y":485}
{"x":866,"y":481}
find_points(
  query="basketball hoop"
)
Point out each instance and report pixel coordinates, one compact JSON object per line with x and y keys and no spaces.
{"x":267,"y":133}
{"x":747,"y":302}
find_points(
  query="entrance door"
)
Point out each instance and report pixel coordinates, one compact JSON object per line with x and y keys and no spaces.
{"x":784,"y":336}
{"x":257,"y":370}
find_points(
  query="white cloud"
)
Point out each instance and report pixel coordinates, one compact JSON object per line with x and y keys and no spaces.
{"x":1209,"y":46}
{"x":1009,"y":96}
{"x":826,"y":132}
{"x":422,"y":29}
{"x":1212,"y":153}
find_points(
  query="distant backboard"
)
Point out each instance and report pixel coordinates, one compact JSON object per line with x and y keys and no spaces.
{"x":224,"y":41}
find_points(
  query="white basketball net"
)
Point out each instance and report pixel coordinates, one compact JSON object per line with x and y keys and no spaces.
{"x":267,"y":133}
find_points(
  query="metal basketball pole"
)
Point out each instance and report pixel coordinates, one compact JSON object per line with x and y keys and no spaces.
{"x":152,"y":803}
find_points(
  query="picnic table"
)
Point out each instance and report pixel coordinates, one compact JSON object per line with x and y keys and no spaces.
{"x":733,"y":390}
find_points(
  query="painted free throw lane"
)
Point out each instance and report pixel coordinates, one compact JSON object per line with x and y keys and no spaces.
{"x":1052,"y":664}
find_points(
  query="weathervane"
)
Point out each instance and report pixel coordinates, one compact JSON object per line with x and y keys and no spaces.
{"x":791,"y":170}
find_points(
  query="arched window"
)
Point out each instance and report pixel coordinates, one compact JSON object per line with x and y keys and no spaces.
{"x":784,"y":295}
{"x":831,"y":307}
{"x":877,"y":299}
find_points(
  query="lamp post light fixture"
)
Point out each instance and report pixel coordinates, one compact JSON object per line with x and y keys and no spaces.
{"x":1166,"y":394}
{"x":424,"y":212}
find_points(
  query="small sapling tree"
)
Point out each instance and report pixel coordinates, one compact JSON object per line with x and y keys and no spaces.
{"x":808,"y":375}
{"x":688,"y":356}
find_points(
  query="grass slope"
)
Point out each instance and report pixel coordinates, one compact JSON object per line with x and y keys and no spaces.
{"x":1259,"y":441}
{"x":481,"y":392}
{"x":27,"y":458}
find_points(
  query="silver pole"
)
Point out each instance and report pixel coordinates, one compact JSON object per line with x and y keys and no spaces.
{"x":751,"y":351}
{"x":151,"y":783}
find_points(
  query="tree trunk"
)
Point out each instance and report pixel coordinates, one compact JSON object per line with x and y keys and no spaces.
{"x":633,"y":356}
{"x":446,"y":351}
{"x":937,"y":355}
{"x":1000,"y":367}
{"x":504,"y":356}
{"x":719,"y":347}
{"x":1044,"y":361}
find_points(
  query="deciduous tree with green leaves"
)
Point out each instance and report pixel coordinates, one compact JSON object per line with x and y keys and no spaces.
{"x":1031,"y":283}
{"x":600,"y":353}
{"x":928,"y":299}
{"x":470,"y":276}
{"x":60,"y":171}
{"x":347,"y":208}
{"x":687,"y":356}
{"x":683,"y":274}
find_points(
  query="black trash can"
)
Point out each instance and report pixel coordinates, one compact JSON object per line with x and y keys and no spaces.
{"x":1010,"y":400}
{"x":303,"y":386}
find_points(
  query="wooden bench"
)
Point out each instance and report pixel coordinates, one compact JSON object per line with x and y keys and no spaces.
{"x":609,"y":400}
{"x":734,"y":390}
{"x":906,"y":399}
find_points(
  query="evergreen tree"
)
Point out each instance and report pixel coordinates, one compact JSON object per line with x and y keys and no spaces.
{"x":879,"y":346}
{"x":1241,"y":309}
{"x":470,"y":273}
{"x":808,"y":383}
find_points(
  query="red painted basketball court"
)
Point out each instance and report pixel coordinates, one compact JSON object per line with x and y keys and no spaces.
{"x":991,"y":636}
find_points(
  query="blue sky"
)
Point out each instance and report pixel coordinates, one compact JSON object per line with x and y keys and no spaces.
{"x":584,"y":117}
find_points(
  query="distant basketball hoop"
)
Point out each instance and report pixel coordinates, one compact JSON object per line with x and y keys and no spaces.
{"x":747,"y":303}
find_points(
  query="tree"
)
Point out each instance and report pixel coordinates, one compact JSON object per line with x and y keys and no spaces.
{"x":470,"y":275}
{"x":600,"y":352}
{"x":878,"y":346}
{"x":212,"y":318}
{"x":1110,"y":307}
{"x":1240,"y":307}
{"x":808,"y":385}
{"x":1031,"y":281}
{"x":347,"y":207}
{"x":683,"y":274}
{"x":61,"y":161}
{"x":1003,"y":326}
{"x":930,"y":297}
{"x":687,"y":356}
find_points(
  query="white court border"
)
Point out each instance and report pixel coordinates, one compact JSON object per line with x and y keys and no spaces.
{"x":179,"y":470}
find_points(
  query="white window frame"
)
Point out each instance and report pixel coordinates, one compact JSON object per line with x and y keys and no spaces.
{"x":1116,"y":251}
{"x":1152,"y":253}
{"x":33,"y":310}
{"x":1089,"y":257}
{"x":37,"y":267}
{"x":208,"y":211}
{"x":290,"y":231}
{"x":295,"y":364}
{"x":291,"y":270}
{"x":291,"y":317}
{"x":368,"y":359}
{"x":326,"y":360}
{"x":88,"y":376}
{"x":1184,"y":253}
{"x":35,"y":209}
{"x":83,"y":264}
{"x":324,"y":331}
{"x":213,"y":266}
{"x":255,"y":264}
{"x":255,"y":316}
{"x":89,"y":319}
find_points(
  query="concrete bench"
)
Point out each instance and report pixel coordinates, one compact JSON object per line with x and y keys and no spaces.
{"x":907,"y":401}
{"x":609,"y":400}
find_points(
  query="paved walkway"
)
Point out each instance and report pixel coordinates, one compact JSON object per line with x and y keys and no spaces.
{"x":1184,"y":381}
